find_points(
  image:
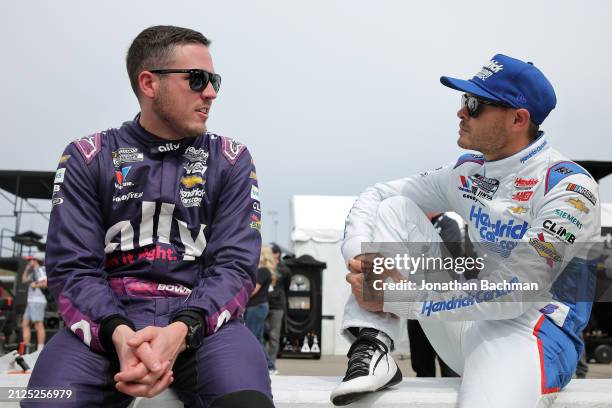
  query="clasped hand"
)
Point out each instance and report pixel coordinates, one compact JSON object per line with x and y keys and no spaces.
{"x":361,"y":278}
{"x":146,"y":358}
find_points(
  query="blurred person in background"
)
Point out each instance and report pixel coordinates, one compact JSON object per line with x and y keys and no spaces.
{"x":277,"y":300}
{"x":35,"y":277}
{"x":258,"y":307}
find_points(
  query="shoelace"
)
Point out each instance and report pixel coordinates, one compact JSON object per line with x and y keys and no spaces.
{"x":361,"y":352}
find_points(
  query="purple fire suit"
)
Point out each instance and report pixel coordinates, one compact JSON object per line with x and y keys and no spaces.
{"x":144,"y":230}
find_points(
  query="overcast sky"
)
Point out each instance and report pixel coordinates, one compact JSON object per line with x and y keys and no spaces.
{"x":329,"y":96}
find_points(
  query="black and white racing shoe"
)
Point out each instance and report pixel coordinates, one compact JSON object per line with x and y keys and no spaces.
{"x":370,"y":368}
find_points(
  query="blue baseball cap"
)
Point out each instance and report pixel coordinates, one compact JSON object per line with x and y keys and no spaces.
{"x":512,"y":82}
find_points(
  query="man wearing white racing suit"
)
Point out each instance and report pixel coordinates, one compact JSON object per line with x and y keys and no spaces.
{"x":525,"y":205}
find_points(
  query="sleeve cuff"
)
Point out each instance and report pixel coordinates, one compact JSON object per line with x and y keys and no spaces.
{"x":190,"y":317}
{"x":351,"y":248}
{"x":400,"y":302}
{"x":108,"y":326}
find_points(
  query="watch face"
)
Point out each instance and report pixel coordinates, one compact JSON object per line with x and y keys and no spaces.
{"x":195,"y":336}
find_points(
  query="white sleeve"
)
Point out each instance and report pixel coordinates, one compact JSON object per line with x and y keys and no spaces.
{"x":566,"y":225}
{"x":428,"y":190}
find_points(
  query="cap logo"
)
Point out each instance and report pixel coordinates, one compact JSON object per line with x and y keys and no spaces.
{"x":492,"y":68}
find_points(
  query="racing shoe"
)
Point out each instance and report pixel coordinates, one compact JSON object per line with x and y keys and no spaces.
{"x":370,"y":368}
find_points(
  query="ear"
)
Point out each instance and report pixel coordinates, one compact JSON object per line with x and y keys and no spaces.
{"x":520,"y":120}
{"x":148,"y":84}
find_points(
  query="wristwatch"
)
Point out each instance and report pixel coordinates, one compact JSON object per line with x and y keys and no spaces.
{"x":195,"y":330}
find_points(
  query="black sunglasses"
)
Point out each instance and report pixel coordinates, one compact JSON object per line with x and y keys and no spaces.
{"x":474,"y":105}
{"x":198,"y":78}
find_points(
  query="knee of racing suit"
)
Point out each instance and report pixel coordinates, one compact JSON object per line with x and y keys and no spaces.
{"x":401,"y":219}
{"x":241,"y":399}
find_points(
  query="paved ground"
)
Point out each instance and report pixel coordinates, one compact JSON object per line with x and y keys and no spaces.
{"x":336,"y":365}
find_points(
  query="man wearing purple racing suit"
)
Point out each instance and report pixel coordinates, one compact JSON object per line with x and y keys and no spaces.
{"x":153,"y":247}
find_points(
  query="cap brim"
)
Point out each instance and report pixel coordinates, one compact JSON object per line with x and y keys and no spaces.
{"x":468,"y":87}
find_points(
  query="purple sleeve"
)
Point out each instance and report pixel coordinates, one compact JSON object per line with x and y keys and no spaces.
{"x":232,"y":253}
{"x":75,"y":251}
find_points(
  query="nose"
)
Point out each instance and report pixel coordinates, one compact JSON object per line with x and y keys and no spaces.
{"x":462,"y":113}
{"x":209,"y":92}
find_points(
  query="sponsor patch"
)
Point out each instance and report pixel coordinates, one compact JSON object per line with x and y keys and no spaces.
{"x":559,"y":231}
{"x":548,"y":309}
{"x":56,"y":188}
{"x":582,"y":191}
{"x":479,"y":186}
{"x":59,"y":175}
{"x":579,"y":204}
{"x":518,"y":210}
{"x":567,"y":216}
{"x":465,"y":184}
{"x":192,"y":198}
{"x":195,"y":168}
{"x":497,"y":235}
{"x":121,"y":175}
{"x":64,"y":158}
{"x":471,"y":197}
{"x":253,"y":175}
{"x":545,"y":249}
{"x":191,"y":181}
{"x":492,"y":68}
{"x":126,"y":155}
{"x":428,"y":172}
{"x":127,"y":196}
{"x":231,"y":149}
{"x":168,"y":147}
{"x":522,"y":195}
{"x":255,"y":222}
{"x":57,"y":201}
{"x":196,"y":155}
{"x":255,"y":193}
{"x":525,"y":184}
{"x":257,"y":207}
{"x":89,"y":146}
{"x":563,"y":170}
{"x":534,"y":152}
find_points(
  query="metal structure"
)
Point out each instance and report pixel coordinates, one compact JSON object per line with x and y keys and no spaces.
{"x":18,"y":187}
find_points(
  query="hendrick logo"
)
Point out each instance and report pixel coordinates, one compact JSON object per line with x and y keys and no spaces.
{"x":522,"y":183}
{"x":194,"y":155}
{"x":498,"y":235}
{"x":493,"y":67}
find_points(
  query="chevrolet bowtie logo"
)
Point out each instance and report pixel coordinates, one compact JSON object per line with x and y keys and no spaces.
{"x":191,"y":181}
{"x":518,"y":210}
{"x":579,"y":204}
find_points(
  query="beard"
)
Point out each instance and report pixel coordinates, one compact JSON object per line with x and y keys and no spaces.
{"x":485,"y":140}
{"x":163,"y":108}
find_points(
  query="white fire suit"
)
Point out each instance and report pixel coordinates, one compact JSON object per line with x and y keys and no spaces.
{"x":537,"y":212}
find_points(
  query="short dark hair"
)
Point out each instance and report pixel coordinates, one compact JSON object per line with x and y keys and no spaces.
{"x":276,"y":249}
{"x":153,"y":48}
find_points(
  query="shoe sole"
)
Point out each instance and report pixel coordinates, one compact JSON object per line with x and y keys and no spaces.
{"x":346,"y":399}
